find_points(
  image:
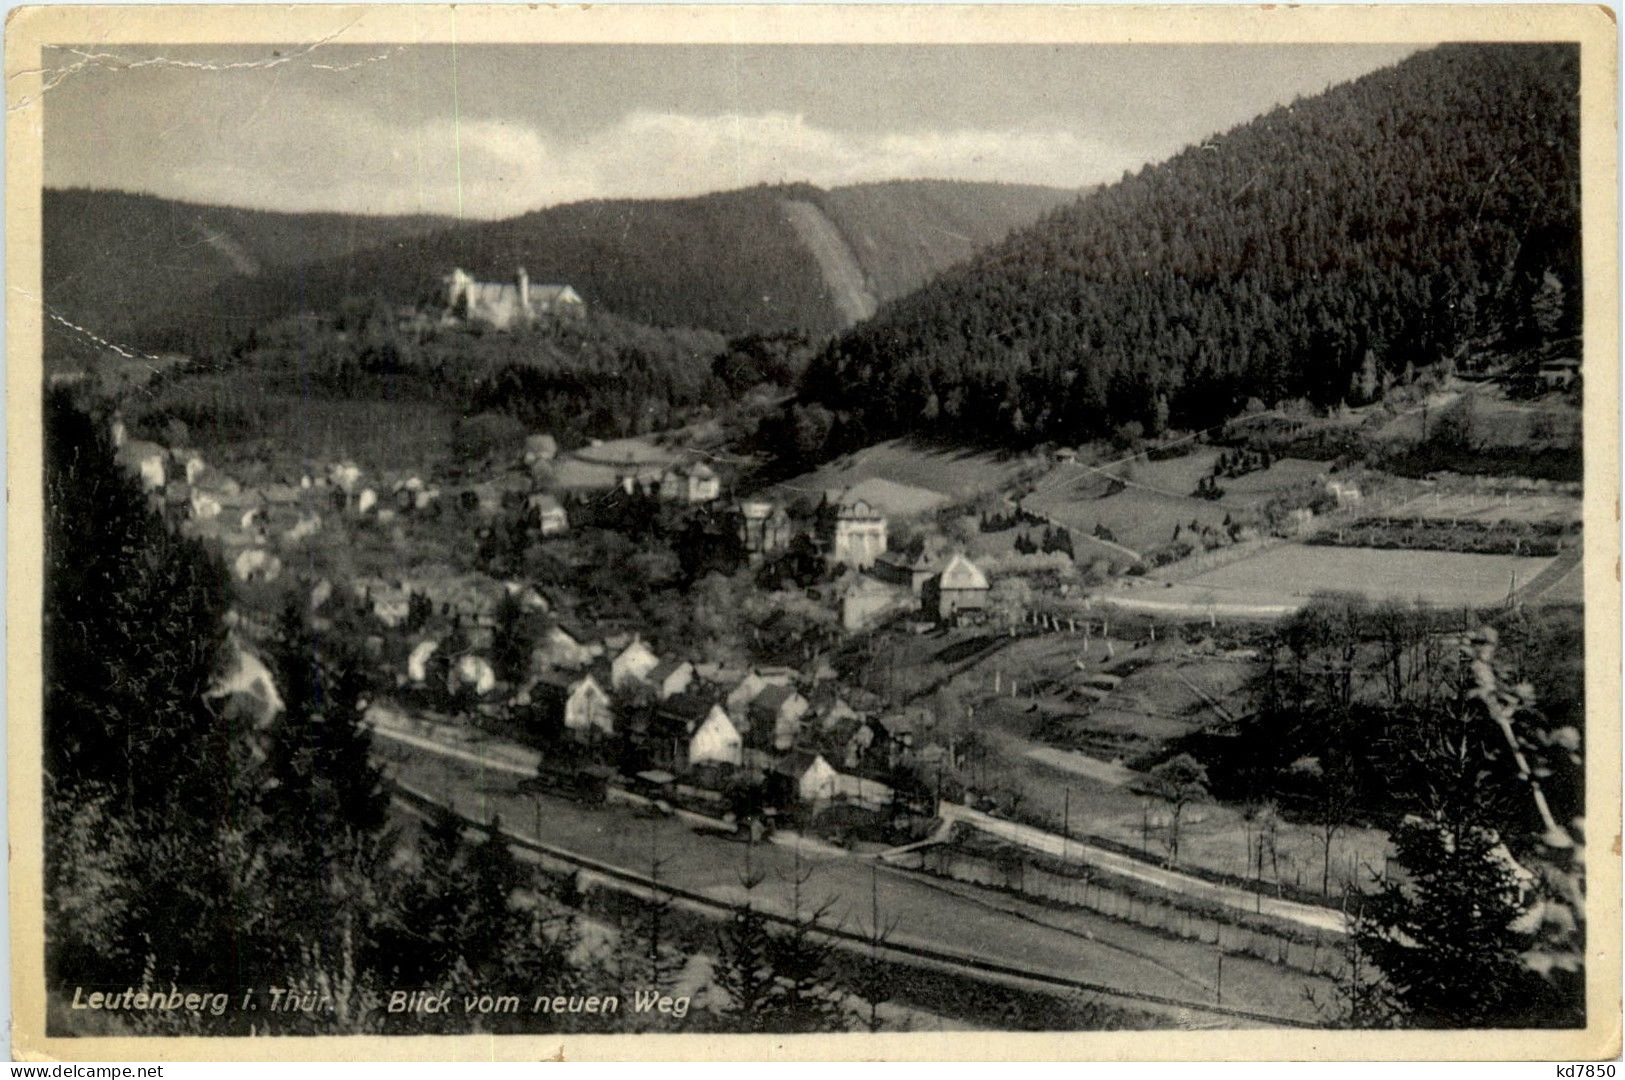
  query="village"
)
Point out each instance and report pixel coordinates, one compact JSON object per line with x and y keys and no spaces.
{"x":969,"y":670}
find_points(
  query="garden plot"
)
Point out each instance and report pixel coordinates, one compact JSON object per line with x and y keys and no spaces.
{"x":1539,"y":508}
{"x":1156,"y":704}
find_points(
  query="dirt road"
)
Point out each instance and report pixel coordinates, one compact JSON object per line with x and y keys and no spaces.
{"x":940,"y":915}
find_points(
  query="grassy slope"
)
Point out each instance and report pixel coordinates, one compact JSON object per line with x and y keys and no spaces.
{"x":903,"y":232}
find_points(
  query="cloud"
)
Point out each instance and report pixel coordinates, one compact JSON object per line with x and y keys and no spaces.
{"x":339,"y":159}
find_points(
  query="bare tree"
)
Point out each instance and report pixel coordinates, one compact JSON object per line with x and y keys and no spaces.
{"x":877,"y":981}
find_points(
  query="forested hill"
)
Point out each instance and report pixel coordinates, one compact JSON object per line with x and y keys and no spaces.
{"x":761,"y":259}
{"x":1428,"y":211}
{"x":111,"y":259}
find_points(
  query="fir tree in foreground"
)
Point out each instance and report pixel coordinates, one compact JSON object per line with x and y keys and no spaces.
{"x":1484,"y":926}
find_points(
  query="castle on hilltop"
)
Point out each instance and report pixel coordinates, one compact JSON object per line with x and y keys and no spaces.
{"x":501,"y":305}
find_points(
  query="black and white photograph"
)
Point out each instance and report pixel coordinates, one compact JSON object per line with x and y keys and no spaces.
{"x":614,"y":538}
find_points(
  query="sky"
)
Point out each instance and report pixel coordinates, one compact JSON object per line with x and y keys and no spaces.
{"x":489,"y":131}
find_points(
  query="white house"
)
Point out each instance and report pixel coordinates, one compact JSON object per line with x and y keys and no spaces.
{"x":475,"y":673}
{"x":190,"y":464}
{"x":501,"y":305}
{"x":417,"y":664}
{"x":814,"y":778}
{"x":631,"y":664}
{"x":854,"y":532}
{"x":344,"y":476}
{"x":147,"y":461}
{"x":577,"y":705}
{"x":540,"y":449}
{"x":716,"y":739}
{"x":695,"y":483}
{"x":246,"y":685}
{"x":561,"y":648}
{"x":960,"y":587}
{"x":255,"y":564}
{"x":777,"y":712}
{"x":1345,"y":494}
{"x":551,"y":517}
{"x":205,"y":507}
{"x":670,"y":678}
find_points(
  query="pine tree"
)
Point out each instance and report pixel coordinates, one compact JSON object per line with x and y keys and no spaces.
{"x":144,"y":781}
{"x":745,"y":971}
{"x":510,"y":643}
{"x":804,"y":1001}
{"x":1456,"y":936}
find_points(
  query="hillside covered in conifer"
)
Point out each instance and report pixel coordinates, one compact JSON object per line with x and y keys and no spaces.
{"x":171,"y":276}
{"x":1426,"y":213}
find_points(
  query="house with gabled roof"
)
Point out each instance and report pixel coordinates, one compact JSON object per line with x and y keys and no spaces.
{"x":693,"y":483}
{"x":245,"y":688}
{"x":812,"y":779}
{"x":670,"y":678}
{"x":775,"y":717}
{"x":564,"y":646}
{"x":147,"y":460}
{"x":744,"y":692}
{"x":898,"y":568}
{"x":716,"y":739}
{"x":576,"y":705}
{"x":632,"y":664}
{"x":960,"y":587}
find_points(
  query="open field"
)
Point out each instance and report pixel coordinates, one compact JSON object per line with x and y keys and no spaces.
{"x":1176,"y":476}
{"x":1172,"y":696}
{"x":1137,"y":518}
{"x":602,"y":465}
{"x":1289,"y":572}
{"x":1256,"y":488}
{"x":956,"y":474}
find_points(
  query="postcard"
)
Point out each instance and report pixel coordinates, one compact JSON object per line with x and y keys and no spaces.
{"x":813,"y":532}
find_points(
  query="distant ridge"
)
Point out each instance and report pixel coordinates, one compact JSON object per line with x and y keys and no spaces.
{"x":111,"y":259}
{"x":168,"y":275}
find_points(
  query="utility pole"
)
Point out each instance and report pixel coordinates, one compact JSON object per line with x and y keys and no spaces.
{"x":1066,"y":824}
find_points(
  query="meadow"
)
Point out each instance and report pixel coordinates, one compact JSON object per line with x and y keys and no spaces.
{"x":959,"y":474}
{"x":1289,"y":572}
